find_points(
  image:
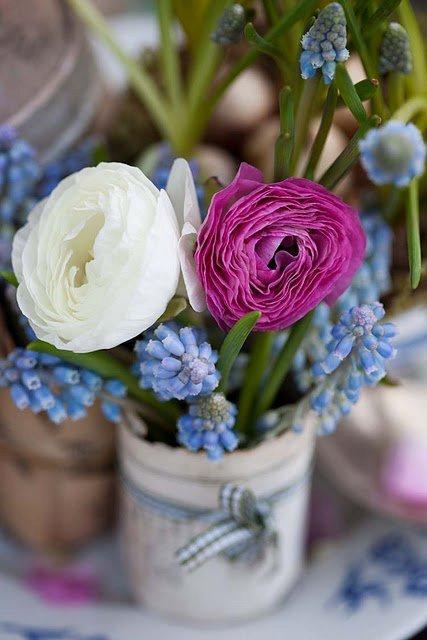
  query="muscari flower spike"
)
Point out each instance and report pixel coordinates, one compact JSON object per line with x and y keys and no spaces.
{"x":230,"y":26}
{"x":357,"y":354}
{"x":393,"y":154}
{"x":370,"y":282}
{"x":19,"y":173}
{"x":325,"y":43}
{"x":208,"y":426}
{"x":74,"y":160}
{"x":42,"y":382}
{"x":395,"y":52}
{"x":176,"y":363}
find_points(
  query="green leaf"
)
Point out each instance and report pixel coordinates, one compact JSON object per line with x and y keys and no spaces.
{"x":258,"y":362}
{"x":107,"y":366}
{"x":348,"y":156}
{"x":10,"y":277}
{"x":365,"y":90}
{"x":285,"y":142}
{"x":174,"y":308}
{"x":348,"y":93}
{"x":233,"y":344}
{"x":358,"y":39}
{"x":261,"y":44}
{"x":413,"y":233}
{"x":322,"y":133}
{"x":282,"y":365}
{"x":386,"y":8}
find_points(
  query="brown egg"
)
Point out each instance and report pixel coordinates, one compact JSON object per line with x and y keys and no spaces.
{"x":259,"y":150}
{"x":343,"y":118}
{"x":249,"y":99}
{"x":214,"y":161}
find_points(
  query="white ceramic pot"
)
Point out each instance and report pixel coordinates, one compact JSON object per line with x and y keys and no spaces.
{"x":221,"y":590}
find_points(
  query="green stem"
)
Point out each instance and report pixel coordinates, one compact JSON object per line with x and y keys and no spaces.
{"x":408,"y":110}
{"x":322,"y":133}
{"x":364,"y":53}
{"x":348,"y":157}
{"x":169,"y":54}
{"x":396,"y":90}
{"x":284,"y":24}
{"x":270,"y":11}
{"x":303,"y":116}
{"x":413,"y":233}
{"x":418,"y":78}
{"x":202,"y":71}
{"x":285,"y":142}
{"x":260,"y":353}
{"x":282,"y":365}
{"x":141,"y":82}
{"x":391,"y":205}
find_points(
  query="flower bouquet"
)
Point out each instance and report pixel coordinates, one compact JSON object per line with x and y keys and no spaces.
{"x":224,"y":326}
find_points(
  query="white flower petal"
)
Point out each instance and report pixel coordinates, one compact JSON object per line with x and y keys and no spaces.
{"x":190,"y":280}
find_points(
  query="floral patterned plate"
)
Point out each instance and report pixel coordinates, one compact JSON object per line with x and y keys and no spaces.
{"x":372,"y":586}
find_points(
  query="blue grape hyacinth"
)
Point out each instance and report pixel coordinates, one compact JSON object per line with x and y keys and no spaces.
{"x":177,"y":363}
{"x":357,"y":354}
{"x":393,"y":154}
{"x":42,"y":382}
{"x":19,"y":173}
{"x":72,"y":161}
{"x":208,"y":426}
{"x":395,"y":52}
{"x":325,"y":43}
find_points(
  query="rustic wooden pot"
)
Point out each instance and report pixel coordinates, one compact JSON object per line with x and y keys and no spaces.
{"x":57,"y":483}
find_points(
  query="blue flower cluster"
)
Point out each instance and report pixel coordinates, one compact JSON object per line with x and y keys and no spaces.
{"x":325,"y":43}
{"x":208,"y":426}
{"x":74,"y":160}
{"x":373,"y":278}
{"x":393,"y":154}
{"x":162,"y":170}
{"x":41,"y":382}
{"x":395,"y":52}
{"x":313,"y":348}
{"x":371,"y":281}
{"x":230,"y":26}
{"x":357,"y":353}
{"x":176,"y":363}
{"x":19,"y":173}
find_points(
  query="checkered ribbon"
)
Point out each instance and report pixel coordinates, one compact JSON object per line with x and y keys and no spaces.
{"x":247,"y":527}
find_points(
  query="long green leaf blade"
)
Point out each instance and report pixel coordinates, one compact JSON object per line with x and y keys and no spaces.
{"x":385,"y":10}
{"x":413,"y":233}
{"x":348,"y":93}
{"x":10,"y":277}
{"x":283,"y":364}
{"x":233,"y":344}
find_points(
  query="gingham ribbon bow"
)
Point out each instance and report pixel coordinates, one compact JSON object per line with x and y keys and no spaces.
{"x":248,"y":524}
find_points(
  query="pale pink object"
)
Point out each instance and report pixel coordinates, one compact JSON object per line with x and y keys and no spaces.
{"x":74,"y":585}
{"x":403,"y":476}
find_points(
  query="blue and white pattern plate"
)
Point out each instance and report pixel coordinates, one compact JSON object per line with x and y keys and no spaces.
{"x":371,"y":586}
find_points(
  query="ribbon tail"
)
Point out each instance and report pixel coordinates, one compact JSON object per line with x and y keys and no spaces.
{"x":211,"y":543}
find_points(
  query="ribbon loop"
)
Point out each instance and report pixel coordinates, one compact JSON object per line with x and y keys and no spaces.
{"x":248,"y":525}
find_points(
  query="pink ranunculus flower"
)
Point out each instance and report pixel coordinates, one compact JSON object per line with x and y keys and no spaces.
{"x":278,"y":248}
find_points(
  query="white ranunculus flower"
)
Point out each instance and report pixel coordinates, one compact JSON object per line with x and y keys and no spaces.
{"x":97,"y":261}
{"x":182,"y":192}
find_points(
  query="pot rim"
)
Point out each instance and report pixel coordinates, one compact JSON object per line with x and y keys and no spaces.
{"x":174,"y":462}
